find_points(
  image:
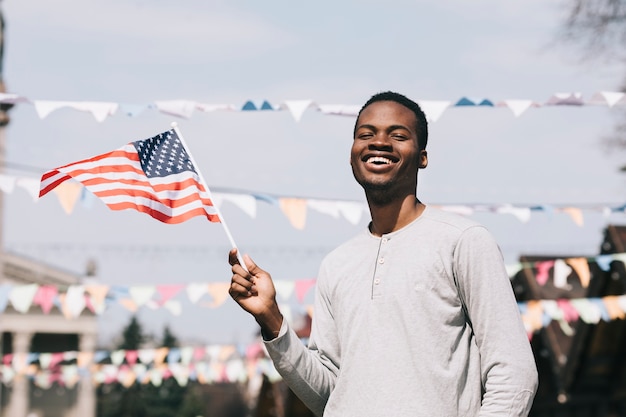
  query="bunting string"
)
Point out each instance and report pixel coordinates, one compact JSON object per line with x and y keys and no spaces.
{"x":433,"y":109}
{"x":72,"y":300}
{"x":230,"y":363}
{"x":295,"y":208}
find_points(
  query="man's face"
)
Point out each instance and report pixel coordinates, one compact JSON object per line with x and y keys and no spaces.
{"x":385,"y":154}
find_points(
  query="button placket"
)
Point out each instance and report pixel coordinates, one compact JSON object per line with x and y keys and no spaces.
{"x":379,"y":271}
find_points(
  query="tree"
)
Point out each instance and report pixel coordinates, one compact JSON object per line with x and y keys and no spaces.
{"x":598,"y":28}
{"x":114,"y":400}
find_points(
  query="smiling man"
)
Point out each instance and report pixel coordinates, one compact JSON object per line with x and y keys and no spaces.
{"x":415,"y":316}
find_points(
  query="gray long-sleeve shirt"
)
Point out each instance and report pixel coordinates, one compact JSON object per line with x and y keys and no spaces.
{"x":390,"y":334}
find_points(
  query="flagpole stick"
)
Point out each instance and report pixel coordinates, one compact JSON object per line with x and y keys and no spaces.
{"x":206,"y":187}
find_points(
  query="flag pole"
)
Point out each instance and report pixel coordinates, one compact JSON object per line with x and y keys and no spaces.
{"x":206,"y":187}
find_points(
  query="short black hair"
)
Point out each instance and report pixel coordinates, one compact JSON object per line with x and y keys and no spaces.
{"x":421,"y":126}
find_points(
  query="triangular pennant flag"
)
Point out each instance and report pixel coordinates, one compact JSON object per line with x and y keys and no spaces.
{"x":249,"y":106}
{"x":132,"y":110}
{"x":128,"y":304}
{"x":21,"y":297}
{"x":141,"y":294}
{"x":30,"y":185}
{"x":84,"y":359}
{"x":518,"y":107}
{"x":195,"y":291}
{"x":117,"y":357}
{"x":146,"y":356}
{"x":581,"y":267}
{"x":131,"y":357}
{"x":351,"y":211}
{"x":543,"y":270}
{"x":284,"y":288}
{"x":99,"y":110}
{"x":560,"y":274}
{"x":303,"y":286}
{"x":97,"y":293}
{"x":174,"y":307}
{"x":567,"y":99}
{"x":160,"y":354}
{"x":45,"y":297}
{"x":297,"y":107}
{"x":266,"y":106}
{"x":295,"y":210}
{"x":245,"y":202}
{"x":521,"y":213}
{"x":5,"y":292}
{"x":68,"y":194}
{"x":433,"y":109}
{"x":340,"y":109}
{"x":575,"y":213}
{"x":7,"y":183}
{"x":166,"y":292}
{"x":324,"y":206}
{"x":610,"y":98}
{"x":604,"y":262}
{"x":179,"y":108}
{"x":219,"y":293}
{"x":75,"y":300}
{"x":186,"y":354}
{"x":45,"y":107}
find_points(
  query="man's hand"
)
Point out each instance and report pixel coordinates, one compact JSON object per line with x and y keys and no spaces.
{"x":254,"y":291}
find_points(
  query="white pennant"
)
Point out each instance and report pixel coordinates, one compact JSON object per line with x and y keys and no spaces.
{"x":245,"y":202}
{"x":195,"y":291}
{"x":518,"y":106}
{"x":141,"y":294}
{"x":180,"y":108}
{"x":7,"y":183}
{"x":297,"y":107}
{"x":433,"y":109}
{"x":21,"y":297}
{"x":560,"y":274}
{"x":339,"y":109}
{"x":284,"y":288}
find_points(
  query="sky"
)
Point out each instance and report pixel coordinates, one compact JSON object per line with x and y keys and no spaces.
{"x":141,"y":52}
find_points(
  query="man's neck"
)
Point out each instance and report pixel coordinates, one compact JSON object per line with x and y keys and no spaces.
{"x":392,"y":216}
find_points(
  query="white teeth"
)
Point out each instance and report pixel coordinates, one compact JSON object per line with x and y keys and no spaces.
{"x":378,"y":160}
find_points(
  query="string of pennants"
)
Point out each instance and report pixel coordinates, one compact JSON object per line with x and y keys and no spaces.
{"x":202,"y":364}
{"x":71,"y":193}
{"x":72,"y":300}
{"x":233,"y":364}
{"x":433,"y":109}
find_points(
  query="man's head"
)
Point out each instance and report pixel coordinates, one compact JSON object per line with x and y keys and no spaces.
{"x":421,"y":125}
{"x":388,"y":147}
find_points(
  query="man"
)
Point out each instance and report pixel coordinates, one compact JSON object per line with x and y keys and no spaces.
{"x":414,"y":316}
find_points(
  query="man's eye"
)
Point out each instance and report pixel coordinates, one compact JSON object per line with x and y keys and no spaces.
{"x":365,"y":135}
{"x":399,"y":136}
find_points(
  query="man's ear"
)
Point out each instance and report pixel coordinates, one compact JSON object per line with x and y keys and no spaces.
{"x":423,"y":159}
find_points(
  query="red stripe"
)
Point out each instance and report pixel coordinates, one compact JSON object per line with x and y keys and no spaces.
{"x":104,"y":169}
{"x":163,"y":217}
{"x":174,"y":186}
{"x":145,"y":194}
{"x":53,"y":185}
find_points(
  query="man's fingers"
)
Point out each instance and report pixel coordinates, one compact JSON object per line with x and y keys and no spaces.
{"x":252,"y":267}
{"x":232,"y":257}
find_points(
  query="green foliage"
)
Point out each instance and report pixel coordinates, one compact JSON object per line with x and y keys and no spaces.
{"x":133,"y":336}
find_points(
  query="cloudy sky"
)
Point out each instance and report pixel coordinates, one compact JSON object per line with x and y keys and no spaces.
{"x":139,"y":52}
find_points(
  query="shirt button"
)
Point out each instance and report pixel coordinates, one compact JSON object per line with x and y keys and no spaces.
{"x":381,"y":260}
{"x":376,"y":281}
{"x":384,"y":240}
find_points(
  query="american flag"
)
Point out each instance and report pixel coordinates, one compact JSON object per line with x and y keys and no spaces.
{"x":154,"y":176}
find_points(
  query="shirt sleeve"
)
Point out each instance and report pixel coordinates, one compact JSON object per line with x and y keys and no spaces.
{"x":508,"y":369}
{"x":310,"y":371}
